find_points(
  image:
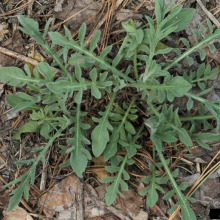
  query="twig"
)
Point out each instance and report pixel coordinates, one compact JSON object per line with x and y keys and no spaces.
{"x":74,"y":15}
{"x":18,"y":56}
{"x":118,"y":3}
{"x":17,"y":9}
{"x":209,"y":14}
{"x":44,"y":174}
{"x":204,"y":173}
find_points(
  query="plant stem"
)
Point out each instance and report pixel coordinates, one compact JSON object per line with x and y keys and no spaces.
{"x":100,"y":61}
{"x":154,"y":110}
{"x":118,"y":129}
{"x":125,"y":116}
{"x":195,"y":118}
{"x":135,"y":66}
{"x":56,"y":58}
{"x":158,"y":87}
{"x":206,"y":117}
{"x":182,"y":199}
{"x":189,"y":51}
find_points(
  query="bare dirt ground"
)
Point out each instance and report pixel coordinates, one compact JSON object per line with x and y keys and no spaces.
{"x":58,"y":193}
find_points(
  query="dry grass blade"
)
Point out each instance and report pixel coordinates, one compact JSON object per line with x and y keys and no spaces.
{"x":109,"y":15}
{"x":74,"y":15}
{"x":25,"y":5}
{"x":204,"y":174}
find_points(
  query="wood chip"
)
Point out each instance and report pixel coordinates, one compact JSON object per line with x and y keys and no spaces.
{"x":17,"y":214}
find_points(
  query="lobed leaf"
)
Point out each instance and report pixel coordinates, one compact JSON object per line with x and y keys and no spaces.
{"x":79,"y":156}
{"x":100,"y":134}
{"x":14,"y":76}
{"x":30,"y":126}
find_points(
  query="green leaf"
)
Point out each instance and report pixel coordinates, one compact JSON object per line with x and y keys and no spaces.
{"x":206,"y":136}
{"x":19,"y":103}
{"x":159,"y":8}
{"x":168,"y":195}
{"x":181,"y":20}
{"x":100,"y":134}
{"x":78,"y":97}
{"x":46,"y":70}
{"x":30,"y":126}
{"x":174,"y":87}
{"x":113,"y":189}
{"x":202,"y":54}
{"x":93,"y":74}
{"x":187,"y":212}
{"x":189,"y":104}
{"x":82,"y":33}
{"x":79,"y":156}
{"x":178,"y":86}
{"x":184,"y":137}
{"x":152,"y":196}
{"x":111,"y":148}
{"x":190,"y":60}
{"x":58,"y":39}
{"x":46,"y":28}
{"x":201,"y":138}
{"x":31,"y":27}
{"x":106,"y":51}
{"x":25,"y":178}
{"x":64,"y":85}
{"x":95,"y":92}
{"x":129,"y":127}
{"x":14,"y":76}
{"x":95,"y":39}
{"x":18,"y":192}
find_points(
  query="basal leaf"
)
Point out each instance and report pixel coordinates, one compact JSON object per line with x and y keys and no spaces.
{"x":184,"y":137}
{"x":111,"y":148}
{"x":111,"y":193}
{"x":181,"y":20}
{"x":129,"y":127}
{"x":30,"y":126}
{"x":31,"y":27}
{"x":179,"y":86}
{"x":46,"y":70}
{"x":16,"y":198}
{"x":95,"y":92}
{"x":19,"y":103}
{"x":58,"y":39}
{"x":29,"y":175}
{"x":152,"y":196}
{"x":100,"y":134}
{"x":79,"y":156}
{"x":78,"y":160}
{"x":64,"y":85}
{"x":113,"y":190}
{"x":15,"y":76}
{"x":95,"y":39}
{"x":187,"y":212}
{"x":82,"y":33}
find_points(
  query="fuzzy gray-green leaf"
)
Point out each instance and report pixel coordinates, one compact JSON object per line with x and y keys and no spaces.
{"x":14,"y":76}
{"x":30,"y":126}
{"x":100,"y":134}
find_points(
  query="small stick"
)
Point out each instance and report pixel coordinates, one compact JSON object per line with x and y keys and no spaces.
{"x":209,"y":14}
{"x":18,"y":56}
{"x":16,"y":9}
